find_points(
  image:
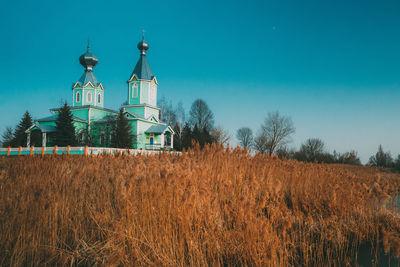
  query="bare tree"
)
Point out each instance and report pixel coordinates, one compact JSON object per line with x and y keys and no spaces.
{"x":220,"y":135}
{"x":201,"y":115}
{"x":180,"y":115}
{"x":245,"y":137}
{"x":312,"y":149}
{"x":167,"y":113}
{"x":261,"y":142}
{"x":277,"y":131}
{"x":7,"y":137}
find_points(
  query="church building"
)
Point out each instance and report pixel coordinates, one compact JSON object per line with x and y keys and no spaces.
{"x":93,"y":121}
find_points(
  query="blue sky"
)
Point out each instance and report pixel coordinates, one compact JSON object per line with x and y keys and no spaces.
{"x":332,"y":66}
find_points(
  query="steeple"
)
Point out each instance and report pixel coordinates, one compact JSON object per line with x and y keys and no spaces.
{"x":88,"y":61}
{"x":142,"y":85}
{"x":142,"y":69}
{"x":88,"y":90}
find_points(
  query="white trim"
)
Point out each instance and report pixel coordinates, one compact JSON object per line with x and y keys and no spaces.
{"x":149,"y":92}
{"x":155,"y":80}
{"x":44,"y":139}
{"x":88,"y":84}
{"x":131,"y":78}
{"x":142,"y":105}
{"x":141,"y":92}
{"x":135,"y":90}
{"x":162,"y":140}
{"x":75,"y":85}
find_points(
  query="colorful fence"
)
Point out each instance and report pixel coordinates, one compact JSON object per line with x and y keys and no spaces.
{"x":19,"y":151}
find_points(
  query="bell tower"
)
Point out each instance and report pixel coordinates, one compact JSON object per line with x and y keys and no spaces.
{"x":142,"y":85}
{"x":88,"y":90}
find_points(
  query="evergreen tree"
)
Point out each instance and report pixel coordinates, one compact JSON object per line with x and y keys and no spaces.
{"x":381,"y":159}
{"x":196,"y":135}
{"x":7,"y":137}
{"x":20,"y":137}
{"x":186,"y":136}
{"x":397,"y":163}
{"x":206,"y":137}
{"x":177,"y":137}
{"x":65,"y":129}
{"x":122,"y":137}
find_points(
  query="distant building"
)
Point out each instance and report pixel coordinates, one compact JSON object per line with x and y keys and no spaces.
{"x":93,"y":121}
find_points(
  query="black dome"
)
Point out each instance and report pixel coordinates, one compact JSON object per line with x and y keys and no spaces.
{"x":88,"y":60}
{"x":143,"y":46}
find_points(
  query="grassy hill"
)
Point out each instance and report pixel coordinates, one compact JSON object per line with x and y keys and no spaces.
{"x":211,"y":207}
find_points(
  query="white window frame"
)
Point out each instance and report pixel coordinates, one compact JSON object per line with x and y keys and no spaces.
{"x":78,"y":97}
{"x":135,"y":90}
{"x":89,"y":97}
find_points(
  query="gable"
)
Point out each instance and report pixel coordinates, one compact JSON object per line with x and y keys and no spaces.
{"x":153,"y":118}
{"x":130,"y":115}
{"x":133,"y":78}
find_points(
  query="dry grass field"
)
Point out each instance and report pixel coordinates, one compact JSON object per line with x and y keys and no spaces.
{"x":213,"y":207}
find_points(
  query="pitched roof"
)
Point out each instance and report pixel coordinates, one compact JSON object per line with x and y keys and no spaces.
{"x":157,"y":129}
{"x":88,"y":76}
{"x":54,"y":117}
{"x":42,"y":128}
{"x":142,"y":69}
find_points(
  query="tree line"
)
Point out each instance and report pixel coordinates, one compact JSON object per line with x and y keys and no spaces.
{"x":275,"y":134}
{"x":272,"y":138}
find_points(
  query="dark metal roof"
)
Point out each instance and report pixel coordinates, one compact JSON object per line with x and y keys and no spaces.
{"x":157,"y":129}
{"x":88,"y":60}
{"x":142,"y":69}
{"x":88,"y":106}
{"x":88,"y":76}
{"x":43,"y":128}
{"x":54,"y":117}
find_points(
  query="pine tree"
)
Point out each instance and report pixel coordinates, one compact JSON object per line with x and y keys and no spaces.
{"x":65,"y":129}
{"x":196,"y":135}
{"x":206,"y":137}
{"x":122,"y":135}
{"x":20,"y":137}
{"x":186,"y":136}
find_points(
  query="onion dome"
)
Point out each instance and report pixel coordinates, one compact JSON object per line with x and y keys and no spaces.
{"x":88,"y":60}
{"x":143,"y":46}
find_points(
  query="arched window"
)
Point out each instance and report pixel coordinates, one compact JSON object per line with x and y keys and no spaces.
{"x":99,"y":98}
{"x":89,"y":97}
{"x":78,"y":97}
{"x":135,"y":90}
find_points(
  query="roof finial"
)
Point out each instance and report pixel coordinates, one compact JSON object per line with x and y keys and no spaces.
{"x":88,"y":44}
{"x":143,"y":46}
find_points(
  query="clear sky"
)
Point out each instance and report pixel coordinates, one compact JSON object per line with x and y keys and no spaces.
{"x":332,"y":66}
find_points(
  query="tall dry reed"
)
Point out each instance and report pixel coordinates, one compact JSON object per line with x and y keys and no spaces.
{"x":204,"y":208}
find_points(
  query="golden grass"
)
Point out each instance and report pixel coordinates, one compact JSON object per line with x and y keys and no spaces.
{"x":211,"y":207}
